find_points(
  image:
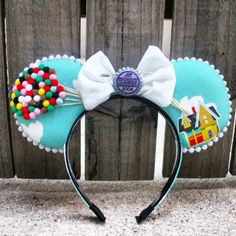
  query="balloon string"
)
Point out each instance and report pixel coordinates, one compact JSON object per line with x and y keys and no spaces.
{"x":70,"y":103}
{"x":72,"y":91}
{"x":77,"y":98}
{"x":177,"y":105}
{"x":72,"y":99}
{"x":73,"y":95}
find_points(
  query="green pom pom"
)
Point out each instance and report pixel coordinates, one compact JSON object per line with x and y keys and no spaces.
{"x":47,"y":82}
{"x":49,"y":94}
{"x":51,"y":108}
{"x":14,"y":109}
{"x":25,"y":71}
{"x":19,"y":113}
{"x":41,"y":66}
{"x":39,"y":79}
{"x":18,"y":94}
{"x":31,"y":108}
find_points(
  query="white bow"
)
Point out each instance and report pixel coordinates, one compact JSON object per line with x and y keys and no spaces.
{"x":158,"y":79}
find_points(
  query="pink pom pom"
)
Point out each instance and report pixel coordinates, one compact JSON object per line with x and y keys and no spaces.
{"x":52,"y":76}
{"x":32,"y":115}
{"x":41,"y":84}
{"x":37,"y":111}
{"x":24,"y":83}
{"x":23,"y":92}
{"x":62,"y":94}
{"x":14,"y":89}
{"x":24,"y":104}
{"x":41,"y":73}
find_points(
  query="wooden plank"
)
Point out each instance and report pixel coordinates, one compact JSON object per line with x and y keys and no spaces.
{"x":233,"y":162}
{"x":115,"y":148}
{"x":232,"y":168}
{"x":138,"y":140}
{"x":207,"y":30}
{"x":6,"y":160}
{"x":36,"y":29}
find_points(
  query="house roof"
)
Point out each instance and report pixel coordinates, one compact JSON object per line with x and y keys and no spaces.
{"x":214,"y":111}
{"x":192,"y":118}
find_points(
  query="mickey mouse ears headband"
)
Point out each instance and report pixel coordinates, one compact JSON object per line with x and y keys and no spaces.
{"x":51,"y":95}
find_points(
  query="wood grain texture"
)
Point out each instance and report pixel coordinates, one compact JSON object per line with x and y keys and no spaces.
{"x":121,"y":135}
{"x":233,"y":161}
{"x":36,"y":29}
{"x":6,"y":161}
{"x":232,"y":168}
{"x":207,"y":30}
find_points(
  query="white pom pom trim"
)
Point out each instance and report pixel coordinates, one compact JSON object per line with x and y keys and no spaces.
{"x":65,"y":56}
{"x":20,"y":128}
{"x":198,"y":149}
{"x":220,"y":134}
{"x":210,"y":143}
{"x":61,"y":150}
{"x":191,"y":150}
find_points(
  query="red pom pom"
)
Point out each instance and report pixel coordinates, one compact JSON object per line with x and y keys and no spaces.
{"x":46,"y":88}
{"x":25,"y":110}
{"x":60,"y":88}
{"x":26,"y":116}
{"x":19,"y":87}
{"x":52,"y":101}
{"x":36,"y":70}
{"x":54,"y":82}
{"x":30,"y":81}
{"x":29,"y":93}
{"x":46,"y":76}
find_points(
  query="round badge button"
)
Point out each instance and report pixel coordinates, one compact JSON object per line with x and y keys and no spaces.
{"x":127,"y":82}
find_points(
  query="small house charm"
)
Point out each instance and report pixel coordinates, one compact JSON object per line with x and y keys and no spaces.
{"x":201,"y":126}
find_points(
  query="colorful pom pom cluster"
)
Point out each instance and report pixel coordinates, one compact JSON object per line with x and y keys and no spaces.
{"x":36,"y":91}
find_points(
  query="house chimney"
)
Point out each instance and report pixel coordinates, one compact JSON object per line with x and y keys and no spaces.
{"x":193,"y":109}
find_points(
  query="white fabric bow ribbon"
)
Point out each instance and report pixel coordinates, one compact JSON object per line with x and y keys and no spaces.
{"x":158,"y":79}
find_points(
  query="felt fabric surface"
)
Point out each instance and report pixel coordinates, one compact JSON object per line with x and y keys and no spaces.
{"x":199,"y":85}
{"x":199,"y":88}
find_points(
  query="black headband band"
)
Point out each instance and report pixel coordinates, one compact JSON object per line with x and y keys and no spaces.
{"x":155,"y":204}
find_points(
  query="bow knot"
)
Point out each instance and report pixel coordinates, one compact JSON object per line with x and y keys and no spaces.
{"x":153,"y":79}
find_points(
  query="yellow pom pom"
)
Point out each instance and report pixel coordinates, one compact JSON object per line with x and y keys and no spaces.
{"x":18,"y":106}
{"x":46,"y":103}
{"x":17,"y":82}
{"x":41,"y":91}
{"x":13,"y":95}
{"x":12,"y":104}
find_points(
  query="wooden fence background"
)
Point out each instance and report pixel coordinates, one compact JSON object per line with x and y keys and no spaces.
{"x":120,"y":135}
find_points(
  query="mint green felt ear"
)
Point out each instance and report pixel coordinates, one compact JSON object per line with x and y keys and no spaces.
{"x":200,"y":88}
{"x":48,"y":130}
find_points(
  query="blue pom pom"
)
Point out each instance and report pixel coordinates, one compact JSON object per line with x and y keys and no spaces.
{"x":33,"y":75}
{"x":53,"y":89}
{"x":59,"y":101}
